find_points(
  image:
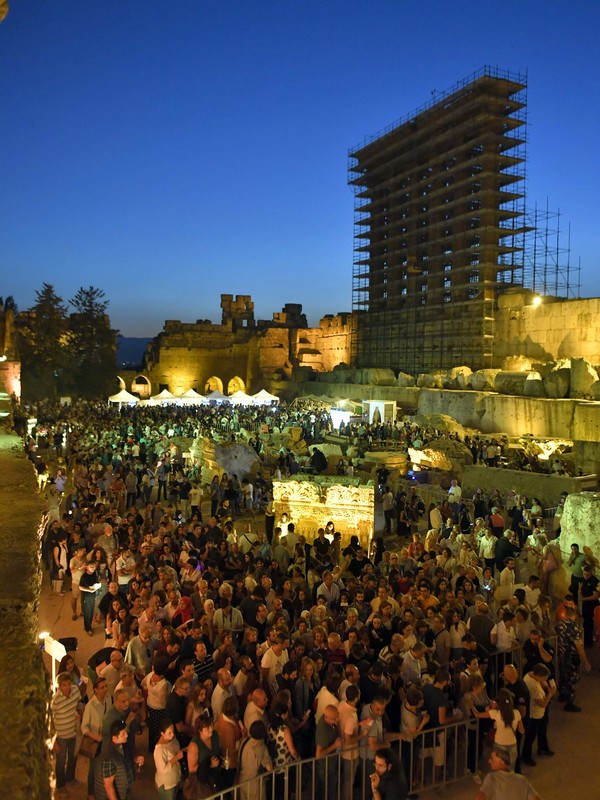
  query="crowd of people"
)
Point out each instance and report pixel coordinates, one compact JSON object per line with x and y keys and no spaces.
{"x":241,"y":647}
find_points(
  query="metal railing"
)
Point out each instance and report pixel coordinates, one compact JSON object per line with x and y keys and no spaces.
{"x":431,"y":759}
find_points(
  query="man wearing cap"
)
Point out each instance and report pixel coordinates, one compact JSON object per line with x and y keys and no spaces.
{"x":503,"y":782}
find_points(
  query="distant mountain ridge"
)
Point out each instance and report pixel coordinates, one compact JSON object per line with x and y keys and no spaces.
{"x":130,"y":350}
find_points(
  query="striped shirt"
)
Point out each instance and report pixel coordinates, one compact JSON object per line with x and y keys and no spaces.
{"x":64,"y":711}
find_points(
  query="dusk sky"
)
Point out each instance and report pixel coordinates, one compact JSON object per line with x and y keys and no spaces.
{"x":168,"y":152}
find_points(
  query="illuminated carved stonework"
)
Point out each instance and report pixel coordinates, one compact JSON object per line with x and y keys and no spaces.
{"x":311,"y":501}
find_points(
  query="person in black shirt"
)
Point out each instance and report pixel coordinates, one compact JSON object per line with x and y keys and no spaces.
{"x":588,"y":589}
{"x":388,"y":782}
{"x":538,"y":651}
{"x":520,"y":694}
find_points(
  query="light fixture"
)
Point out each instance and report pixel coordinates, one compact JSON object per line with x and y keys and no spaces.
{"x":536,"y":301}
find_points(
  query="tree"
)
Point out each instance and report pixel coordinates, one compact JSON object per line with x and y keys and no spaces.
{"x":92,"y":344}
{"x":42,"y":335}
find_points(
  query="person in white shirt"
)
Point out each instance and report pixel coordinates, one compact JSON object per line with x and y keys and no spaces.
{"x":502,"y":635}
{"x":91,"y":722}
{"x":350,"y":732}
{"x":272,"y":663}
{"x":222,"y":690}
{"x":540,"y":694}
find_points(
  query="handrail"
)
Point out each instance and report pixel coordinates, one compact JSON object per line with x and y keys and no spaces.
{"x":433,"y":758}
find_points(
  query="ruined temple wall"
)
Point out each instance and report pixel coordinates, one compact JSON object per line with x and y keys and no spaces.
{"x":491,"y":413}
{"x":182,"y":368}
{"x":560,"y":329}
{"x":333,"y":338}
{"x":273,"y":348}
{"x":10,"y":377}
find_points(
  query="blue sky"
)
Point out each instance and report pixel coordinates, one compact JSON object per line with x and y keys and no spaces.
{"x":171,"y":152}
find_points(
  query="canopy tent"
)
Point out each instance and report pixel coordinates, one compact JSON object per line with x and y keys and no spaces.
{"x":123,"y":397}
{"x":347,"y":404}
{"x":241,"y":398}
{"x":216,"y":397}
{"x":191,"y":397}
{"x":164,"y":397}
{"x":263,"y":397}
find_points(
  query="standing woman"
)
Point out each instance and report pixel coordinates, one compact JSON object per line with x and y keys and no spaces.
{"x":60,"y":563}
{"x":167,"y":755}
{"x":204,"y":755}
{"x":305,"y":692}
{"x":89,"y":586}
{"x":269,"y":517}
{"x":158,"y":688}
{"x":508,"y":722}
{"x":215,"y":495}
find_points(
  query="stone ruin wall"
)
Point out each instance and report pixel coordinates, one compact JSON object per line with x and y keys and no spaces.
{"x":311,"y":503}
{"x":555,"y":329}
{"x":185,"y":355}
{"x":25,"y":685}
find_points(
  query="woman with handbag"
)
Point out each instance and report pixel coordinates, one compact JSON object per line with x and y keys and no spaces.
{"x":91,"y":728}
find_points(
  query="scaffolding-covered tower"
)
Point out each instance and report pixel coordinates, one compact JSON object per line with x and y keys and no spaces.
{"x":439,"y":226}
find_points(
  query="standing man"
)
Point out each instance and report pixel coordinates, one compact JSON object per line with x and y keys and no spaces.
{"x":64,"y":706}
{"x":540,"y":695}
{"x":576,"y":562}
{"x":387,"y":500}
{"x":114,"y":772}
{"x":454,"y":498}
{"x":327,"y":740}
{"x":589,"y":603}
{"x":503,"y":782}
{"x":571,"y":654}
{"x":388,"y":781}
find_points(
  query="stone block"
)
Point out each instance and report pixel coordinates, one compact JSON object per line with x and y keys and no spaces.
{"x":595,"y":391}
{"x":457,"y":377}
{"x":579,"y":522}
{"x":510,"y":382}
{"x":482,"y":380}
{"x":404,"y":379}
{"x":426,"y":381}
{"x":583,"y":376}
{"x":557,"y":383}
{"x":534,"y":385}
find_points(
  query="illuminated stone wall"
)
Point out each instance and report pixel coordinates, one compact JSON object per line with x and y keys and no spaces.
{"x":554,"y":329}
{"x":260,"y":353}
{"x":312,"y":501}
{"x":10,"y":377}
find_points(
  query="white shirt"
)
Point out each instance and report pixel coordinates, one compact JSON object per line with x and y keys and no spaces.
{"x":274,"y":664}
{"x":536,"y":692}
{"x":324,"y":699}
{"x":348,"y":726}
{"x":506,"y":636}
{"x":93,"y":714}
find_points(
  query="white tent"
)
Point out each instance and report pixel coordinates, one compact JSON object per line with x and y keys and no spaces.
{"x":263,"y":398}
{"x":191,"y":397}
{"x":216,"y":397}
{"x":123,"y":397}
{"x":241,"y":398}
{"x":164,"y":397}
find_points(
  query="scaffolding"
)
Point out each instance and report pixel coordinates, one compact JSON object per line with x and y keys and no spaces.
{"x":439,"y":226}
{"x":548,"y":268}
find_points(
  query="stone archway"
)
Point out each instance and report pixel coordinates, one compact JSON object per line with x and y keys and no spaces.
{"x":213,"y":384}
{"x":236,"y":385}
{"x":141,"y":385}
{"x":121,"y":383}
